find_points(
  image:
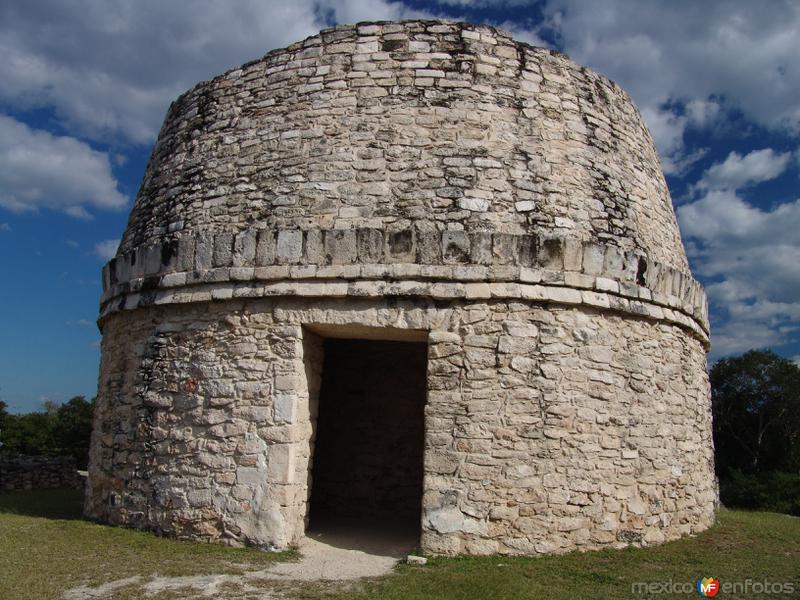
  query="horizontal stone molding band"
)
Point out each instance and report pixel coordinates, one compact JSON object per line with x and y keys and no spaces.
{"x":371,"y":254}
{"x":475,"y":291}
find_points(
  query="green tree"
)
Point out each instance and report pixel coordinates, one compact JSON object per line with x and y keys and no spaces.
{"x":72,"y":429}
{"x":55,"y":430}
{"x":756,"y":405}
{"x":3,"y":419}
{"x":27,"y":434}
{"x":50,"y":407}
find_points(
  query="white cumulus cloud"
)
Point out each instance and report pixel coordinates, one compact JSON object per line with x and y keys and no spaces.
{"x":486,"y":3}
{"x":691,"y":59}
{"x":107,"y":249}
{"x":667,"y":129}
{"x":738,"y":171}
{"x":693,"y":67}
{"x":42,"y":170}
{"x":110,"y":69}
{"x":752,"y":256}
{"x":353,"y":11}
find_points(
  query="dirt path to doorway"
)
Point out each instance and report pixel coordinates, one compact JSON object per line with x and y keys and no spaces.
{"x":335,"y":554}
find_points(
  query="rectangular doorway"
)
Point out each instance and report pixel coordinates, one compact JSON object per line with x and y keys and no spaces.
{"x":367,"y":466}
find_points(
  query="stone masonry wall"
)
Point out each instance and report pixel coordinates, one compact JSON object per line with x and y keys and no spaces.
{"x":553,"y":429}
{"x":422,"y":126}
{"x":259,"y":262}
{"x":38,"y":473}
{"x":548,"y":428}
{"x":425,"y":181}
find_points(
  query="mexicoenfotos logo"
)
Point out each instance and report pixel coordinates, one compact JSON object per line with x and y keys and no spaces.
{"x":708,"y":587}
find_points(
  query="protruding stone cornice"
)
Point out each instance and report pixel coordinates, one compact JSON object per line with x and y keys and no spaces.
{"x":373,"y":262}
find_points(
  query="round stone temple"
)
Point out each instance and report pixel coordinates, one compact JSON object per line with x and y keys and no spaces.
{"x":416,"y":275}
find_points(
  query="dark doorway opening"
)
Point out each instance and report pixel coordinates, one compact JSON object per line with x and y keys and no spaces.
{"x":368,"y":451}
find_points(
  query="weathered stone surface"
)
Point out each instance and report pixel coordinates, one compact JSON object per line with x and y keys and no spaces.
{"x":587,"y":414}
{"x":361,"y":182}
{"x":38,"y":473}
{"x":340,"y":246}
{"x":289,"y":246}
{"x":455,"y":247}
{"x":286,"y":178}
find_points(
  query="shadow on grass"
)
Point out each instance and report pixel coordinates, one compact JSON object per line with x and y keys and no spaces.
{"x":65,"y":504}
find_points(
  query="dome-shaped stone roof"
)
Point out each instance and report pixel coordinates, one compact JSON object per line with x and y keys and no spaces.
{"x":418,"y":125}
{"x":420,"y":143}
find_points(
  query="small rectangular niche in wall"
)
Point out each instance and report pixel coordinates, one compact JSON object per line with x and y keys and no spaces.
{"x":369,"y":436}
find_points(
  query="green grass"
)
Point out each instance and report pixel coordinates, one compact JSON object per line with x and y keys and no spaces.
{"x":46,"y":548}
{"x":741,"y":545}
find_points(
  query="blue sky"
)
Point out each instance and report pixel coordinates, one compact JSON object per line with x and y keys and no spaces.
{"x":84,"y":85}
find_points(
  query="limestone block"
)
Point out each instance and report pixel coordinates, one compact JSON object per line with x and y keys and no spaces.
{"x":480,"y":248}
{"x":571,"y":523}
{"x":121,"y":271}
{"x":241,"y":274}
{"x":370,"y":245}
{"x":633,"y":262}
{"x":613,"y":263}
{"x":173,"y":279}
{"x":250,"y":477}
{"x":573,"y":255}
{"x":185,"y":259}
{"x":504,"y":248}
{"x":551,"y":254}
{"x":528,"y":275}
{"x":526,"y":250}
{"x":340,"y":246}
{"x":563,"y":295}
{"x":455,"y":247}
{"x":524,"y":206}
{"x":474,"y":204}
{"x":151,"y":260}
{"x":636,"y":506}
{"x":441,"y":462}
{"x":578,"y":280}
{"x":521,"y":329}
{"x":204,"y":252}
{"x":595,"y":299}
{"x":109,"y":275}
{"x":265,"y":248}
{"x":399,"y":246}
{"x":289,"y":247}
{"x":281,"y":463}
{"x":451,"y":520}
{"x":244,"y":248}
{"x":603,"y":284}
{"x":593,"y":259}
{"x":315,"y":247}
{"x":477,"y":290}
{"x":168,"y":256}
{"x":285,"y":408}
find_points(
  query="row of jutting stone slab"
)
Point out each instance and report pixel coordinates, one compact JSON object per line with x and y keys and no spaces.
{"x":594,"y":298}
{"x":378,"y":254}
